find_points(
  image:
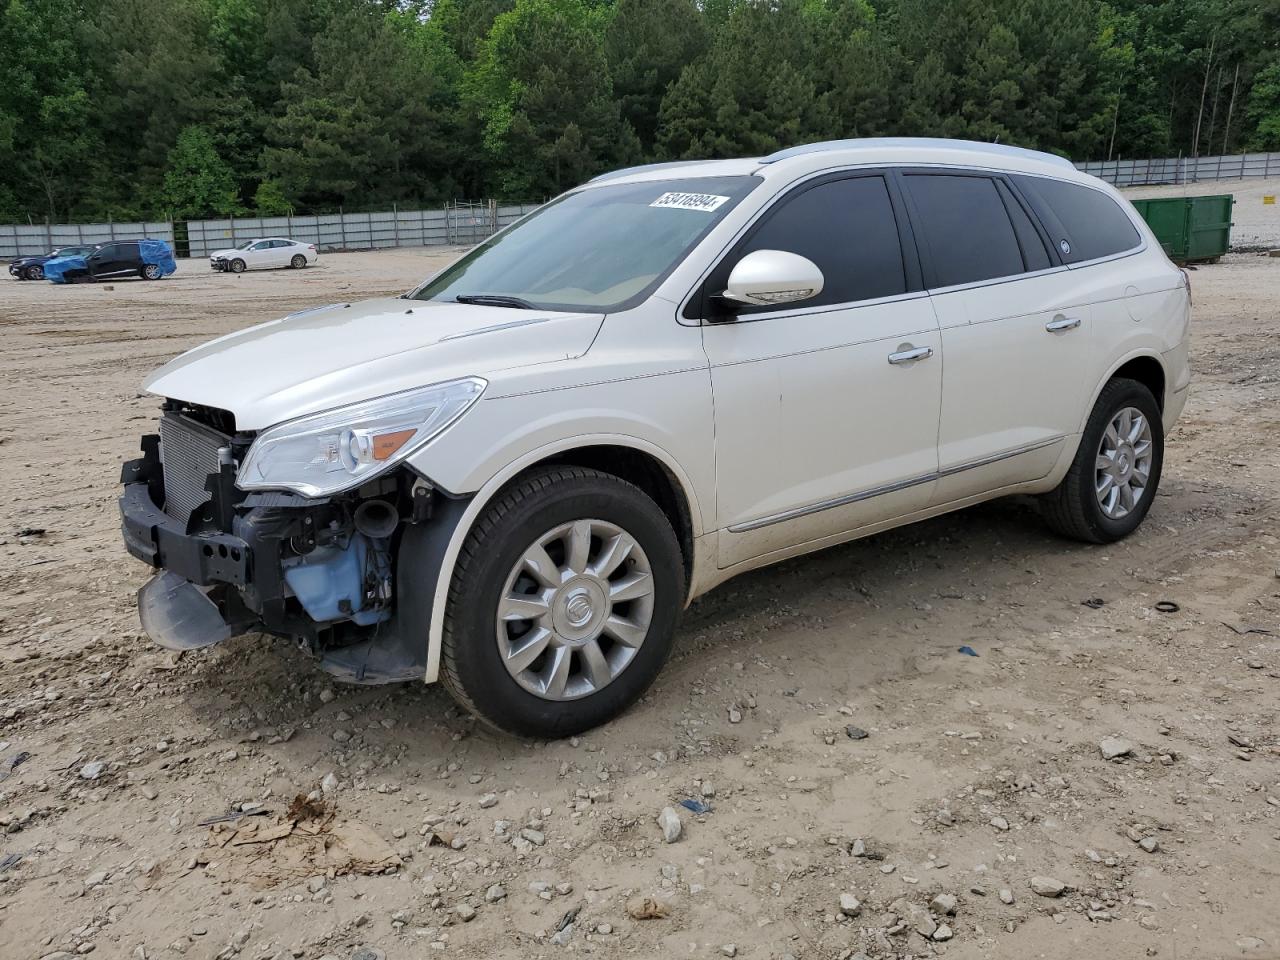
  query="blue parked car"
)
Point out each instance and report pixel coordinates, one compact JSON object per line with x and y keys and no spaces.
{"x":32,"y":268}
{"x":148,"y":259}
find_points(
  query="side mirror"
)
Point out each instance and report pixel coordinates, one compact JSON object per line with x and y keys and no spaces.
{"x":771,"y":277}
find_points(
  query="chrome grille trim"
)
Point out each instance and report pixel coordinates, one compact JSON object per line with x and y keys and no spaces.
{"x":189,"y":454}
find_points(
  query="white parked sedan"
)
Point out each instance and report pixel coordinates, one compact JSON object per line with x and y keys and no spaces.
{"x":514,"y":477}
{"x":265,"y":253}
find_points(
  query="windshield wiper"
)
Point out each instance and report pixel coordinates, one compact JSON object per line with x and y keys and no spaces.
{"x":494,"y":300}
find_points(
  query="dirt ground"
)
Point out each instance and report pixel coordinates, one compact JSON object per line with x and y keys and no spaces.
{"x":977,"y":774}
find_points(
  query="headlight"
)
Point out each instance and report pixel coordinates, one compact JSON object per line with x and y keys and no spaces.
{"x":330,"y":452}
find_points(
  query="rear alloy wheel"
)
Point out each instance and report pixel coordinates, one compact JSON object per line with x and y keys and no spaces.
{"x":563,"y":604}
{"x":298,"y":261}
{"x":1112,"y":481}
{"x":151,"y":271}
{"x":237,"y":265}
{"x":34,"y":272}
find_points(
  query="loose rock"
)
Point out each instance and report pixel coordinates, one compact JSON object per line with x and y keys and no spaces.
{"x":1047,"y":887}
{"x":944,"y":903}
{"x":850,"y":905}
{"x":669,"y":822}
{"x":1115,"y":747}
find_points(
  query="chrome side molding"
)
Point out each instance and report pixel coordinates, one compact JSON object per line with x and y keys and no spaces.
{"x":798,"y":512}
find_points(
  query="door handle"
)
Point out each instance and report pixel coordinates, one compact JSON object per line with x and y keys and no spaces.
{"x":915,"y":353}
{"x":1060,"y":323}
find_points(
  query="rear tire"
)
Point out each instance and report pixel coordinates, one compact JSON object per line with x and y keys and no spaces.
{"x":150,"y":271}
{"x":237,"y":265}
{"x":34,"y":272}
{"x":1113,"y":480}
{"x":298,"y":261}
{"x":616,"y":574}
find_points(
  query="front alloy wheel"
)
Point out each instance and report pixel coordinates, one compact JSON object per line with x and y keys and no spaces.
{"x":34,"y":272}
{"x":563,"y":603}
{"x":575,"y":610}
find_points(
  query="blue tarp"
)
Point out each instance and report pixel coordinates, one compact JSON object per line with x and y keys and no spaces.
{"x":55,"y":269}
{"x":150,"y":251}
{"x":158,"y":252}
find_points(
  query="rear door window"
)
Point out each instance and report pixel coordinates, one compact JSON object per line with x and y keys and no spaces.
{"x":1089,"y":224}
{"x":964,"y":225}
{"x":846,"y":227}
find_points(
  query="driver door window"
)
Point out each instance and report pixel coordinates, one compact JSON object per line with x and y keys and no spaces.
{"x":847,"y":227}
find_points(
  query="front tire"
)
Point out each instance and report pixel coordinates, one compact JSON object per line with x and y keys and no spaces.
{"x":237,"y":265}
{"x":1113,"y":480}
{"x":563,"y":603}
{"x":34,"y":272}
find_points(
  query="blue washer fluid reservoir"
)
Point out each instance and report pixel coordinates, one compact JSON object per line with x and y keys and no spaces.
{"x":325,"y":577}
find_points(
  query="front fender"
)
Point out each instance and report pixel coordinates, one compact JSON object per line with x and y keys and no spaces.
{"x":440,"y":572}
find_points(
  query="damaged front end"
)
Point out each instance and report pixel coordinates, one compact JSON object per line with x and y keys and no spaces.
{"x":319,"y":570}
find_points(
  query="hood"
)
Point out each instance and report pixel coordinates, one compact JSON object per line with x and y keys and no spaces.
{"x":330,"y":356}
{"x":228,"y":253}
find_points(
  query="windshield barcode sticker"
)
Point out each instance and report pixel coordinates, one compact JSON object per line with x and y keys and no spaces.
{"x":704,"y":202}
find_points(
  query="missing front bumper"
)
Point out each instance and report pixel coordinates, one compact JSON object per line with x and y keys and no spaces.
{"x":178,"y":615}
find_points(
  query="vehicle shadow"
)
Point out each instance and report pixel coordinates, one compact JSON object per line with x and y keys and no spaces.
{"x":255,"y":682}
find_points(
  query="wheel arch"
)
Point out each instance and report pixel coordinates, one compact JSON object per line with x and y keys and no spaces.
{"x":1142,"y":365}
{"x":638,"y":461}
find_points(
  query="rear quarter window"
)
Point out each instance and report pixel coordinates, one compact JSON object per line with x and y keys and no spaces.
{"x":1089,"y":224}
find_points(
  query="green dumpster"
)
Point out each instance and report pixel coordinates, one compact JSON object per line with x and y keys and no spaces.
{"x":1190,"y":229}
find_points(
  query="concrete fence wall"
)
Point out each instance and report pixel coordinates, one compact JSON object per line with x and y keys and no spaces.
{"x":462,"y":224}
{"x":1135,"y":173}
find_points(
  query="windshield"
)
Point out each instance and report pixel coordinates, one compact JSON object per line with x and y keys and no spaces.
{"x":599,"y":250}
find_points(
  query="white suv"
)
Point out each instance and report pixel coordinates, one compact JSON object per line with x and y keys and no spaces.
{"x":514,"y":477}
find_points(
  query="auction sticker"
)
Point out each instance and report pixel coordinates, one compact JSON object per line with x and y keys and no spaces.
{"x":703,"y":202}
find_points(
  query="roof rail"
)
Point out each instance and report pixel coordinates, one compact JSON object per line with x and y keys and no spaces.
{"x":937,"y":143}
{"x":627,"y":171}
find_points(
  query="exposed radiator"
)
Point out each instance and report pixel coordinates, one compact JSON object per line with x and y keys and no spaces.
{"x":189,"y":452}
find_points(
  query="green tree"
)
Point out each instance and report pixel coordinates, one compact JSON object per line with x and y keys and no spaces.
{"x":269,"y":200}
{"x":47,"y":137}
{"x":755,"y":91}
{"x":367,"y":127}
{"x":198,"y":182}
{"x":541,"y":70}
{"x":1264,"y":109}
{"x":647,"y":43}
{"x":465,"y":23}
